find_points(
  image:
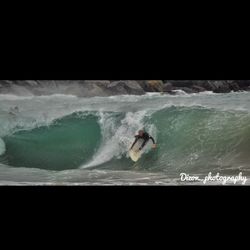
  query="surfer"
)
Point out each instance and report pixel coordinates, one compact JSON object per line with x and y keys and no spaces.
{"x":146,"y":137}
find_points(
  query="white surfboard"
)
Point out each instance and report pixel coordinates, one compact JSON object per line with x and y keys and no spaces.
{"x":135,"y":153}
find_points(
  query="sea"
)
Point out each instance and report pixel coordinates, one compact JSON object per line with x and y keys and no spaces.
{"x":68,"y":140}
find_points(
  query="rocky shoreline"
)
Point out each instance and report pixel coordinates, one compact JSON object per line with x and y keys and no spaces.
{"x":89,"y":88}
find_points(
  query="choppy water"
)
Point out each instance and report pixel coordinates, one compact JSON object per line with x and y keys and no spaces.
{"x":64,"y":139}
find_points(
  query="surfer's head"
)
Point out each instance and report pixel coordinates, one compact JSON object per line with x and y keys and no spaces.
{"x":141,"y":132}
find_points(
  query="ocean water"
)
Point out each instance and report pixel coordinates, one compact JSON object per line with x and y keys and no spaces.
{"x":68,"y":140}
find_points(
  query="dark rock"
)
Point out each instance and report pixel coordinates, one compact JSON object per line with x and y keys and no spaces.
{"x":89,"y":88}
{"x":233,"y":86}
{"x":221,"y":87}
{"x":181,"y":83}
{"x":203,"y":85}
{"x":83,"y":88}
{"x":198,"y":88}
{"x":215,"y":86}
{"x":243,"y":84}
{"x":5,"y":83}
{"x":103,"y":83}
{"x":151,"y":85}
{"x":133,"y":87}
{"x":167,"y":87}
{"x":209,"y":85}
{"x":126,"y":87}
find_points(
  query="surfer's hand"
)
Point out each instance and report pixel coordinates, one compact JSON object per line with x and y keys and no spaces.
{"x":154,"y":146}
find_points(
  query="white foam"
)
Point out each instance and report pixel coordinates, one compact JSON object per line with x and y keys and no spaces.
{"x":31,"y":96}
{"x":180,"y":92}
{"x":58,"y":96}
{"x":117,"y":138}
{"x":153,"y":94}
{"x":15,"y":97}
{"x":207,"y":93}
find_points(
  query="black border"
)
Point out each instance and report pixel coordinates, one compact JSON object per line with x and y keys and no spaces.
{"x":137,"y":63}
{"x":118,"y":198}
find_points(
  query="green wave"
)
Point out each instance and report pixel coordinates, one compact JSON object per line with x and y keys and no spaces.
{"x":193,"y":138}
{"x":65,"y":144}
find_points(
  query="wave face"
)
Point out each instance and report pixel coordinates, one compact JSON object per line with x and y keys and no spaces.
{"x":194,"y":133}
{"x":64,"y":145}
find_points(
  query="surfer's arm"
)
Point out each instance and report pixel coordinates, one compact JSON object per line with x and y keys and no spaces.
{"x":154,"y":144}
{"x":136,"y":139}
{"x":150,"y":137}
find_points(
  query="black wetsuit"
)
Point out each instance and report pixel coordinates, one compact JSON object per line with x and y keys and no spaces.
{"x":146,"y":137}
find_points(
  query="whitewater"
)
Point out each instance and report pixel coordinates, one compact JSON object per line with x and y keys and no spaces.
{"x":69,"y":140}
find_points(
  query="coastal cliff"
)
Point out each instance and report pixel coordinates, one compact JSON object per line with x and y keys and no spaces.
{"x":90,"y":88}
